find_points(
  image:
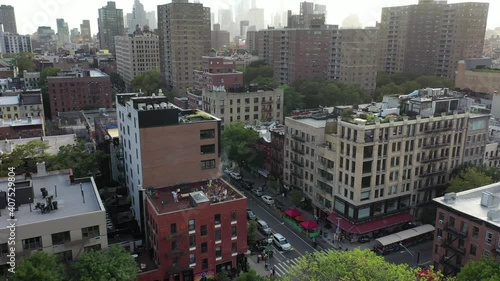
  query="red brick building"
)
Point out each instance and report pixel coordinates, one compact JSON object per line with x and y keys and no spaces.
{"x":467,"y":228}
{"x":217,"y":72}
{"x":77,"y":89}
{"x":278,"y":150}
{"x":203,"y":231}
{"x":30,"y":127}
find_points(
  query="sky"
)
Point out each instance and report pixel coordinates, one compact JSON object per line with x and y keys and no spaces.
{"x":33,"y":13}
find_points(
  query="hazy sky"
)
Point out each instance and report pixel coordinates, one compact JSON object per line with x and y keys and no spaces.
{"x":33,"y":13}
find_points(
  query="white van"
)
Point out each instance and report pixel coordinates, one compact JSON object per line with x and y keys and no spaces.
{"x":263,"y":227}
{"x":281,"y":242}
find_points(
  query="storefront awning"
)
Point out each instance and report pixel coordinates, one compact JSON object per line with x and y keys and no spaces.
{"x":264,"y":173}
{"x":371,"y":225}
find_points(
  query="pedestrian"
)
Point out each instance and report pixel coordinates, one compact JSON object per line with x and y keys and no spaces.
{"x":274,"y":271}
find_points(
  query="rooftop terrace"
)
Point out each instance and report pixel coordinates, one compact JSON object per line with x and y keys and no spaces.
{"x":189,"y":195}
{"x":73,"y":198}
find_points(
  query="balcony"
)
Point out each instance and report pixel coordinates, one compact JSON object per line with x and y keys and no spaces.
{"x":298,"y":163}
{"x":455,"y":231}
{"x":433,"y":159}
{"x":432,"y":173}
{"x":298,"y":150}
{"x":298,"y":138}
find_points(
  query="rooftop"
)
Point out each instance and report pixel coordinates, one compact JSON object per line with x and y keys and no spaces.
{"x":54,"y":143}
{"x":488,"y":70}
{"x":191,"y":194}
{"x":68,"y":195}
{"x":481,"y":203}
{"x":9,"y":100}
{"x":21,"y":122}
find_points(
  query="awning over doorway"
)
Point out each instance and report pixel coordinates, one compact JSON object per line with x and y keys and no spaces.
{"x":370,"y":226}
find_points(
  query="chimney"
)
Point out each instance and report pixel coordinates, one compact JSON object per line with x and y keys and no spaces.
{"x":40,"y":169}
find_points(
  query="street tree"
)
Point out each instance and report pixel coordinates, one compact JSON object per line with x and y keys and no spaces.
{"x":296,"y":197}
{"x":293,"y":99}
{"x":117,"y":82}
{"x":23,"y":157}
{"x":487,"y":269}
{"x":112,"y":264}
{"x":237,"y":142}
{"x":41,"y":267}
{"x":257,"y":71}
{"x":250,"y":276}
{"x":468,"y":179}
{"x":361,"y":265}
{"x":252,"y":232}
{"x":83,"y":161}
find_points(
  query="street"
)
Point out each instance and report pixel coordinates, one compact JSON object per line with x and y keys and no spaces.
{"x":403,"y":256}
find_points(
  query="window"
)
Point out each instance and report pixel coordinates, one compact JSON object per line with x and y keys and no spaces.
{"x":217,"y":219}
{"x":475,"y":231}
{"x":218,"y":235}
{"x":203,"y":230}
{"x":233,"y":231}
{"x":65,"y":256}
{"x":207,"y":134}
{"x":218,"y":252}
{"x":4,"y":250}
{"x":234,"y":248}
{"x":204,"y":264}
{"x":173,"y":228}
{"x":60,"y":238}
{"x":204,"y":247}
{"x":32,"y":243}
{"x":208,"y":149}
{"x":174,"y":245}
{"x":488,"y":238}
{"x":191,"y":225}
{"x":233,"y":216}
{"x":91,"y":231}
{"x":452,"y":221}
{"x":473,"y":249}
{"x":192,"y":258}
{"x":208,"y":164}
{"x":192,"y":241}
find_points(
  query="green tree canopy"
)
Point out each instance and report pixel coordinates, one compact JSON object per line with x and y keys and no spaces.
{"x":468,"y":179}
{"x":76,"y":156}
{"x":488,"y":269}
{"x":250,"y":276}
{"x":40,"y":266}
{"x":24,"y":61}
{"x":150,"y":82}
{"x":257,"y":72}
{"x":112,"y":264}
{"x":293,"y":99}
{"x":237,"y":141}
{"x":23,"y":157}
{"x":405,"y":83}
{"x":360,"y":265}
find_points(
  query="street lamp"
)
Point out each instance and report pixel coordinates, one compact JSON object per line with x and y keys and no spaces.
{"x":409,"y":252}
{"x":338,"y":226}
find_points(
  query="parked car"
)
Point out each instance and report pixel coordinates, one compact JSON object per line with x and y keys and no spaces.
{"x":268,"y":199}
{"x":251,"y":215}
{"x":247,"y":184}
{"x":257,"y":192}
{"x":227,"y":171}
{"x":235,"y":176}
{"x":263,"y":227}
{"x":281,"y":242}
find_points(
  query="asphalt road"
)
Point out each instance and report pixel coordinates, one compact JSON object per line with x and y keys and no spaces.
{"x":404,"y":256}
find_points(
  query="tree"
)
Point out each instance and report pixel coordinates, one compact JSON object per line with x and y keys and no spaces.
{"x":296,"y":197}
{"x":293,"y":99}
{"x":41,"y":267}
{"x":112,"y":264}
{"x":47,"y":72}
{"x":250,"y":276}
{"x":223,"y":276}
{"x":76,"y":156}
{"x":237,"y":141}
{"x":150,"y":82}
{"x":258,"y":70}
{"x":389,"y":89}
{"x":23,"y":157}
{"x":361,"y":265}
{"x":488,"y":269}
{"x":252,"y":232}
{"x":24,"y":61}
{"x":468,"y":179}
{"x":117,"y":82}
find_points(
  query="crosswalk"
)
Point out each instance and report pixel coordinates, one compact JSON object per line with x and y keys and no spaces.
{"x":282,"y":268}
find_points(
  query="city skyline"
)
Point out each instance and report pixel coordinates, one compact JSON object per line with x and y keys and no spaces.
{"x":30,"y":17}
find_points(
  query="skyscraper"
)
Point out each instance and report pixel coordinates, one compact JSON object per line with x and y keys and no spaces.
{"x":138,"y":17}
{"x":85,"y":31}
{"x":62,"y":32}
{"x":8,"y":19}
{"x":153,"y":23}
{"x":184,"y":38}
{"x":431,"y":37}
{"x":110,"y":24}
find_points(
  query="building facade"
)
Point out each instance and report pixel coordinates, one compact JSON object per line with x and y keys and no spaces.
{"x":110,"y":24}
{"x":11,"y":43}
{"x":8,"y":19}
{"x":62,"y":33}
{"x":200,"y":233}
{"x":30,"y":127}
{"x":431,"y":37}
{"x":66,"y":220}
{"x":76,"y":89}
{"x":217,"y":72}
{"x":136,"y":54}
{"x":21,"y":106}
{"x":182,"y":45}
{"x":149,"y":126}
{"x":31,"y":80}
{"x":467,"y":228}
{"x":85,"y":31}
{"x":278,"y":151}
{"x":219,"y":38}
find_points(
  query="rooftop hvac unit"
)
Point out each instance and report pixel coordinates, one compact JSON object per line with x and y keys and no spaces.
{"x":149,"y":107}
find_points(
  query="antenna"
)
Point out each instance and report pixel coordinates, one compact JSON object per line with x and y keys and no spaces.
{"x":83,"y":195}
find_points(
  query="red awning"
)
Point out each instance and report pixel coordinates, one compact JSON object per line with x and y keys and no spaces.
{"x":371,"y":225}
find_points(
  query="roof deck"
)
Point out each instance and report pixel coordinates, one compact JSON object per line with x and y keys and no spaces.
{"x":189,"y":195}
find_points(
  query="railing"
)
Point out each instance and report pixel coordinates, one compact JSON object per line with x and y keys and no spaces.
{"x":437,"y":130}
{"x":432,"y":173}
{"x":297,"y":150}
{"x":298,"y":138}
{"x":449,"y":245}
{"x":434,"y":186}
{"x":300,"y":164}
{"x":434,"y":145}
{"x":455,"y":231}
{"x":433,"y":159}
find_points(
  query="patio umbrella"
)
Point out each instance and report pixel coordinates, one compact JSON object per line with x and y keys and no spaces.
{"x":300,"y":218}
{"x":309,"y":225}
{"x":293,"y":213}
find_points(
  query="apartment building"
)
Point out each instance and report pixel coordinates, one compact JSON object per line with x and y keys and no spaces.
{"x":13,"y":43}
{"x":55,"y":214}
{"x":163,"y":145}
{"x":21,"y":106}
{"x":217,"y":73}
{"x":375,"y":173}
{"x":199,"y":231}
{"x":182,"y":45}
{"x":278,"y":151}
{"x":110,"y":24}
{"x":29,"y":127}
{"x":252,"y":41}
{"x":431,"y":37}
{"x":8,"y":18}
{"x":31,"y":80}
{"x":219,"y":38}
{"x":467,"y":228}
{"x":136,"y":54}
{"x":79,"y":88}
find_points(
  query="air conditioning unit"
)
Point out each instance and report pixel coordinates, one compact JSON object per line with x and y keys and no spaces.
{"x":446,"y":258}
{"x":441,"y":221}
{"x":440,"y":238}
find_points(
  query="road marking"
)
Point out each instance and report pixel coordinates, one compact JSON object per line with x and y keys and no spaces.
{"x":282,"y":268}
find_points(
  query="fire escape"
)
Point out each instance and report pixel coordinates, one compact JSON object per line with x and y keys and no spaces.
{"x":267,"y":110}
{"x":454,"y":245}
{"x":177,"y":252}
